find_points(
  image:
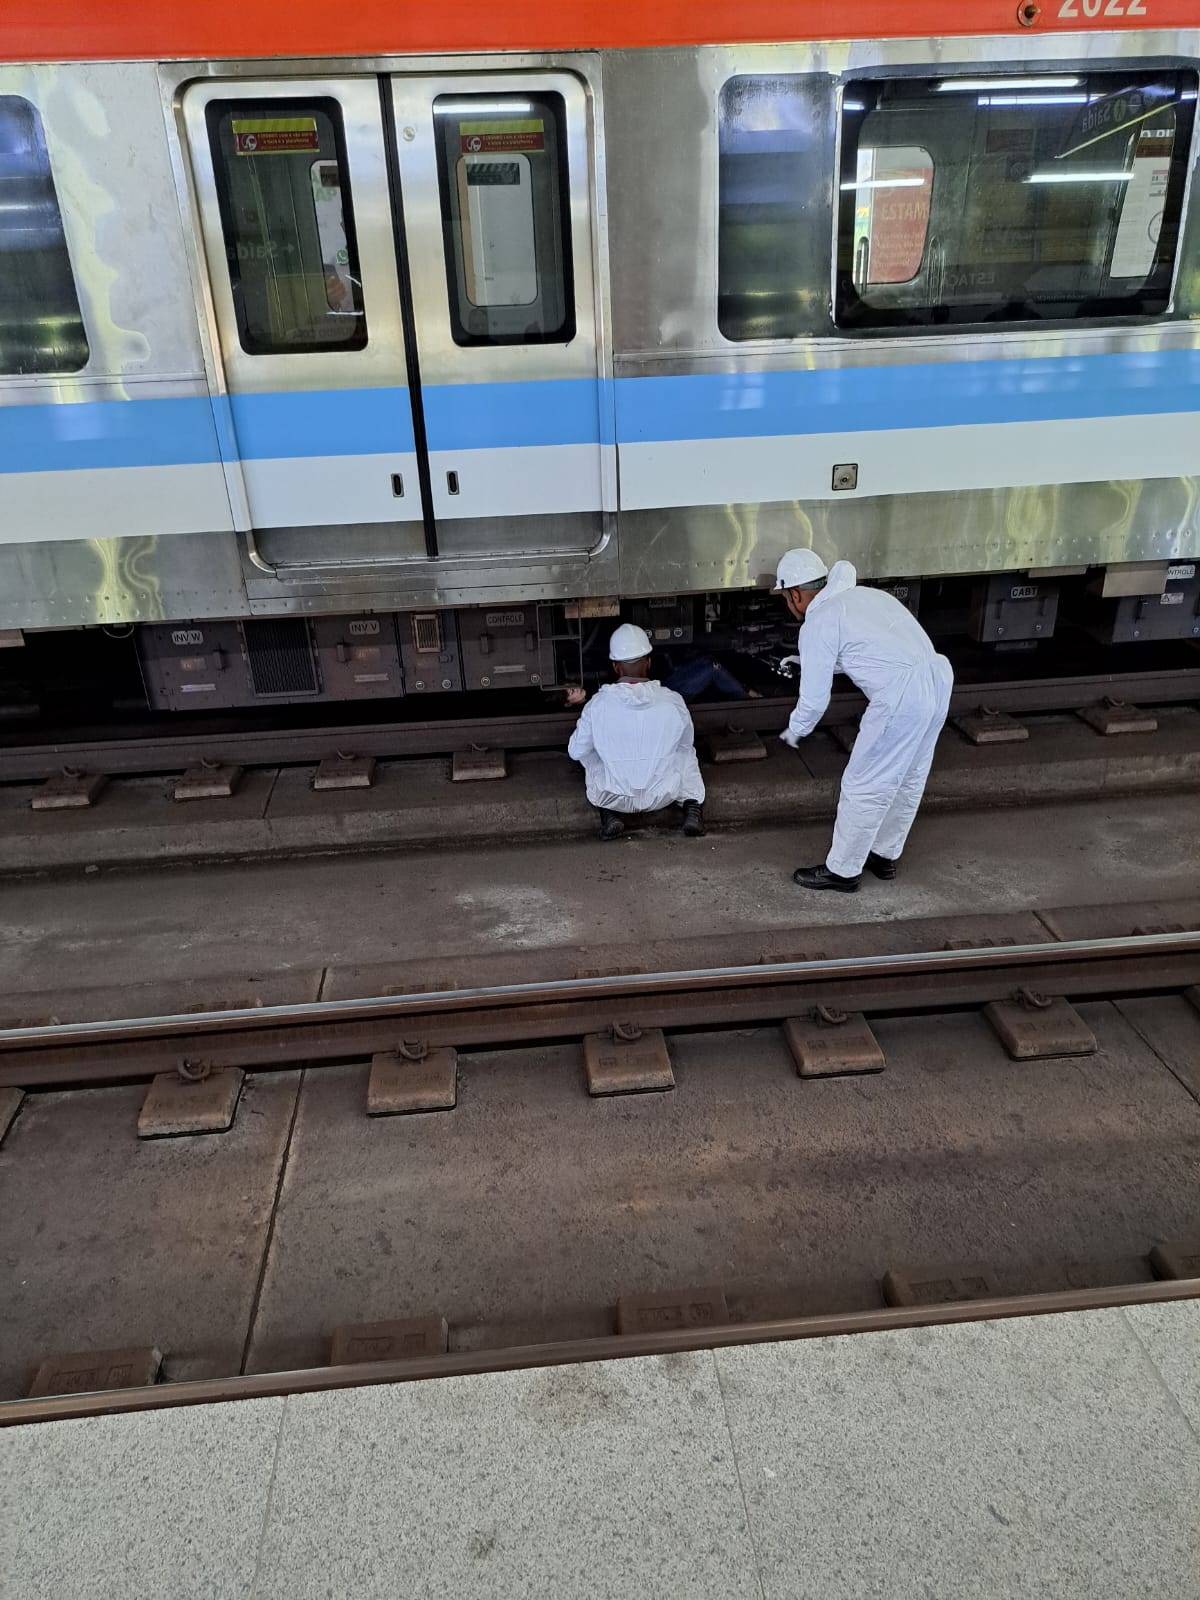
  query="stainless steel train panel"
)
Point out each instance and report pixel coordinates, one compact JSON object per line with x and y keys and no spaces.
{"x":74,"y":583}
{"x":103,"y":124}
{"x":737,"y":546}
{"x":717,"y":476}
{"x":125,"y":448}
{"x":474,"y":555}
{"x":416,"y":585}
{"x":663,"y":159}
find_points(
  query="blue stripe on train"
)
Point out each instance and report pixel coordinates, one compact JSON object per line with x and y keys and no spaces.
{"x":324,"y":422}
{"x":303,"y":423}
{"x":458,"y":416}
{"x":184,"y":431}
{"x":497,"y":416}
{"x":745,"y":405}
{"x":107,"y":433}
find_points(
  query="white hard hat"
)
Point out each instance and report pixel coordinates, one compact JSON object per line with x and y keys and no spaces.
{"x":629,"y":643}
{"x":797,"y":569}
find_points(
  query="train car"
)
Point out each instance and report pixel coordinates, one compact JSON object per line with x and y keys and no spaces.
{"x":352,"y":352}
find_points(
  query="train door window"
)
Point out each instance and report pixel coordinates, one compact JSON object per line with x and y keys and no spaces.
{"x":1001,"y":200}
{"x":41,"y":328}
{"x":506,"y":218}
{"x":774,"y":193}
{"x":288,"y":223}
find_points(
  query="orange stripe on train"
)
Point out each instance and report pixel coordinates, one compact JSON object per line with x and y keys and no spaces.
{"x":205,"y":29}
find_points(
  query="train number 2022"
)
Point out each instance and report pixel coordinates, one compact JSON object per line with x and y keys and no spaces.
{"x":1101,"y":8}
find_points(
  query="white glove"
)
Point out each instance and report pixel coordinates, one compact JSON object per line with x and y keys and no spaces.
{"x":791,"y":739}
{"x":789,"y":667}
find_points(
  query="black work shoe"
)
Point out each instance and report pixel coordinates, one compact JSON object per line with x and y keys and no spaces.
{"x":822,"y":878}
{"x":693,"y":819}
{"x":881,"y":866}
{"x":611,"y":826}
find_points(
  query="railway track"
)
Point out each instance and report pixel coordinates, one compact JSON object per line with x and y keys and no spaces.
{"x":278,"y":1037}
{"x":727,"y":1022}
{"x":614,"y":1347}
{"x":151,"y":751}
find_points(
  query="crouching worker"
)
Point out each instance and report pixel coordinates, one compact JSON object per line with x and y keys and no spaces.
{"x":636,"y":743}
{"x":883,"y":649}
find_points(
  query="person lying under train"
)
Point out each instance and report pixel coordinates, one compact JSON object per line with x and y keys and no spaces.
{"x":636,"y":743}
{"x":697,"y":676}
{"x":882,"y":648}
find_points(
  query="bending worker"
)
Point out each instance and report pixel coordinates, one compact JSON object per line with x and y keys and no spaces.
{"x":636,"y":742}
{"x":884,"y":650}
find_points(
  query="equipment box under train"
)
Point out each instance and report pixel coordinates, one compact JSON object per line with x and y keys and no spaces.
{"x":219,"y":665}
{"x":1173,"y":614}
{"x":281,"y":660}
{"x":1012,"y":609}
{"x":502,"y":648}
{"x":194,"y":667}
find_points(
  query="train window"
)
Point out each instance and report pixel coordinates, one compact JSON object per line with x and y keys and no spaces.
{"x":775,"y":190}
{"x":288,"y":222}
{"x":506,"y":217}
{"x":41,"y":329}
{"x":999,"y":200}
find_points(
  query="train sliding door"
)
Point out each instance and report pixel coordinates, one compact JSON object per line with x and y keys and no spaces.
{"x":401,"y":280}
{"x":494,"y":174}
{"x":292,"y":184}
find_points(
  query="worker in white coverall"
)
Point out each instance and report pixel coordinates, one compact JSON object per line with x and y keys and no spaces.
{"x":636,"y":743}
{"x":883,"y":649}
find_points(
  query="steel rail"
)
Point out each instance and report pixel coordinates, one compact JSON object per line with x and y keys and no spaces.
{"x":157,"y":752}
{"x":283,"y":1049}
{"x":609,"y":1347}
{"x":624,"y":986}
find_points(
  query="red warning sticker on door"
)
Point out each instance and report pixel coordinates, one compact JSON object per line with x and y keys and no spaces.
{"x":273,"y":136}
{"x":490,"y":138}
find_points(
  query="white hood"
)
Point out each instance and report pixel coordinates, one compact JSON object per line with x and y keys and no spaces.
{"x":842,"y":576}
{"x":636,"y":692}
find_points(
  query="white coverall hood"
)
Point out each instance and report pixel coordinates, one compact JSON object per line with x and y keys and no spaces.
{"x":637,"y":748}
{"x":883,"y":649}
{"x":843,"y":575}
